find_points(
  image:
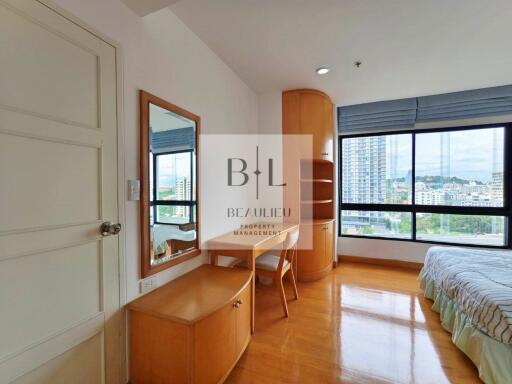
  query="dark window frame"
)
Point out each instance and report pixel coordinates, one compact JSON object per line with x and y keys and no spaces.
{"x":413,"y":208}
{"x":155,"y":203}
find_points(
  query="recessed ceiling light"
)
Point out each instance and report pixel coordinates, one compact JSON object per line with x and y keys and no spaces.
{"x":322,"y":71}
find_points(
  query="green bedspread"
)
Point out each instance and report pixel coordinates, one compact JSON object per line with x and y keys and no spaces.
{"x":492,"y":358}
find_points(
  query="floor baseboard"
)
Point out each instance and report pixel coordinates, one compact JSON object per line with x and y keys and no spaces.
{"x":384,"y":262}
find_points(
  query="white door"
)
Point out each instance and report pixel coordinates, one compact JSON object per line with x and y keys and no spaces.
{"x":59,"y":278}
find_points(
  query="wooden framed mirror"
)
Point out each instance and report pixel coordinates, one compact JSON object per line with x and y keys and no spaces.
{"x":169,"y":184}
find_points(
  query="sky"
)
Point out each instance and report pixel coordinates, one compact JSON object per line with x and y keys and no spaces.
{"x":176,"y":166}
{"x":173,"y":167}
{"x":472,"y":156}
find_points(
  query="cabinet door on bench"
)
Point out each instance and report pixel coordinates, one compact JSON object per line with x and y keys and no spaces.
{"x":311,"y":256}
{"x":329,"y":241}
{"x":243,"y":320}
{"x":215,"y":342}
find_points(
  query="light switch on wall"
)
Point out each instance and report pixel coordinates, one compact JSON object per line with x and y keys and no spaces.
{"x":133,"y":190}
{"x":148,"y":284}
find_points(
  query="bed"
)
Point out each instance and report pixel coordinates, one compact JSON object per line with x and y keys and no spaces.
{"x":161,"y":233}
{"x":472,"y":291}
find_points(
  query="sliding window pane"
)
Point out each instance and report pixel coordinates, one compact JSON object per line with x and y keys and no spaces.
{"x":461,"y":229}
{"x":173,"y":214}
{"x":460,"y":168}
{"x":174,"y":178}
{"x":377,"y":169}
{"x":377,"y":224}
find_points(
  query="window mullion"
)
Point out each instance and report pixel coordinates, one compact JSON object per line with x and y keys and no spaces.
{"x":155,"y":184}
{"x":413,"y":186}
{"x":507,"y":184}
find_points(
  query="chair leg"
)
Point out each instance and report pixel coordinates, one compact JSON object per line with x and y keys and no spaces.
{"x":280,"y":287}
{"x":294,"y":285}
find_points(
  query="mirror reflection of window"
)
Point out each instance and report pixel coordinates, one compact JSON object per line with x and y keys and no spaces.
{"x":172,"y":184}
{"x":174,"y":181}
{"x":151,"y":189}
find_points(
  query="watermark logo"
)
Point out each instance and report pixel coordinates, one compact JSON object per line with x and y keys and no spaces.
{"x":254,"y":178}
{"x":241,"y":164}
{"x":256,"y":186}
{"x":260,"y":229}
{"x":260,"y":213}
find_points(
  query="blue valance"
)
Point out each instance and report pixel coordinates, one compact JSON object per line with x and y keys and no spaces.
{"x":405,"y":113}
{"x":174,"y":139}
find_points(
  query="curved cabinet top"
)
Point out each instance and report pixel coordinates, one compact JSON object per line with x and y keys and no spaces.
{"x":308,"y":90}
{"x":194,"y":295}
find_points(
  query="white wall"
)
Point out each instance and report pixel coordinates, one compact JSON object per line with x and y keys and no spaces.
{"x":269,"y":121}
{"x":162,"y":56}
{"x":270,"y":113}
{"x":382,"y":249}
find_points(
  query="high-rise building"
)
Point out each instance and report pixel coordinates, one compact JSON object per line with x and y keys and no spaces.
{"x":183,"y":189}
{"x":365,"y":157}
{"x":497,"y":187}
{"x":430,"y":197}
{"x":183,"y":192}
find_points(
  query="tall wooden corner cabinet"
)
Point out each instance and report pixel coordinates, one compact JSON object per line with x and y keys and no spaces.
{"x":310,"y":112}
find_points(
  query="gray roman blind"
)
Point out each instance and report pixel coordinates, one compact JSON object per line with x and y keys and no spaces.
{"x":406,"y":113}
{"x":174,"y":139}
{"x":465,"y":105}
{"x":382,"y":115}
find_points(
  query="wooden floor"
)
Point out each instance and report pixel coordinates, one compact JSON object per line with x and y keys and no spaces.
{"x":362,"y":324}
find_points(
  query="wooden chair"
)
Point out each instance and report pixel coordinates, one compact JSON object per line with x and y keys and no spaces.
{"x":277,"y":265}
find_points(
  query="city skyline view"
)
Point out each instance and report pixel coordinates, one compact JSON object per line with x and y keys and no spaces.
{"x":173,"y":182}
{"x":173,"y":167}
{"x":429,"y":148}
{"x":454,"y":168}
{"x":458,"y":163}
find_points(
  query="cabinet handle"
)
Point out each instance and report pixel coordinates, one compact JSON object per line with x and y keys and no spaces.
{"x":325,"y":154}
{"x":236,"y":304}
{"x":239,"y":302}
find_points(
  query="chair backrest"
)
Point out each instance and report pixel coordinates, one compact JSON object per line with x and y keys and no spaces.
{"x":291,"y":239}
{"x":289,"y":248}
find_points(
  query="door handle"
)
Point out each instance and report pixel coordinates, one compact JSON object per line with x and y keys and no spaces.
{"x":107,"y":228}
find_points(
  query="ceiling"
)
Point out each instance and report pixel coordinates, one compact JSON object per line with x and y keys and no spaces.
{"x":408,"y":47}
{"x":145,"y":7}
{"x":161,"y":119}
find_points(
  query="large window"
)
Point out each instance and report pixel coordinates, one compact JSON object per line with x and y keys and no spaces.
{"x":172,"y":193}
{"x":445,"y":186}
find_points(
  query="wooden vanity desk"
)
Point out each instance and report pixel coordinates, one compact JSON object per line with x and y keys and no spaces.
{"x":193,"y":329}
{"x":249,"y":247}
